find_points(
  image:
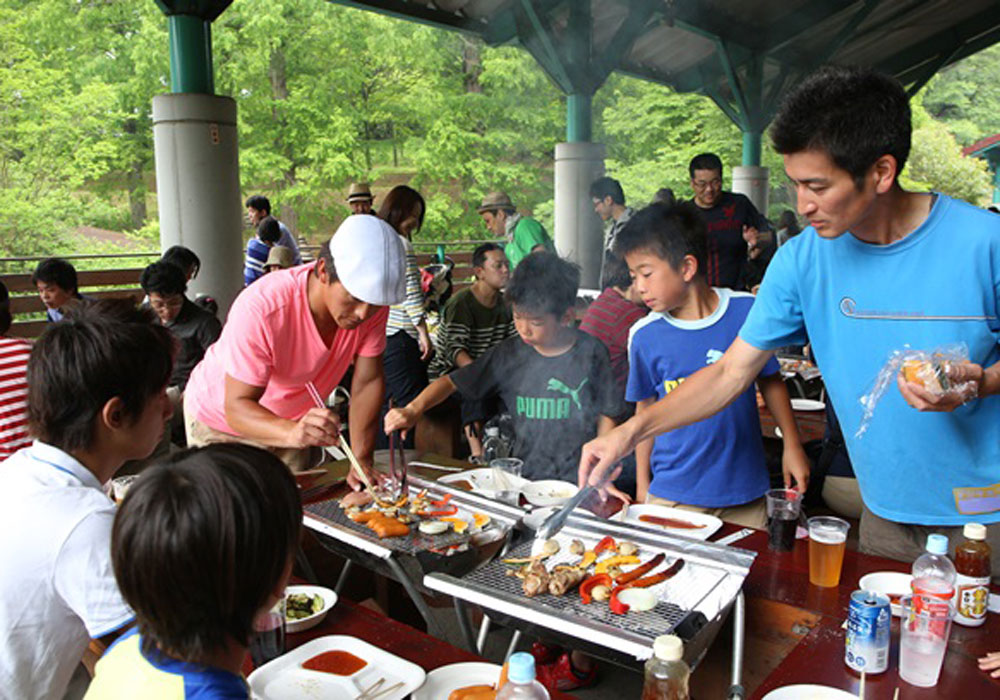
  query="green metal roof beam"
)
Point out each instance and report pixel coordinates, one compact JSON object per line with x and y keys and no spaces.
{"x":971,"y":30}
{"x":414,"y":12}
{"x":503,"y":27}
{"x":742,"y":104}
{"x":930,"y":69}
{"x":536,"y":35}
{"x":778,"y":35}
{"x":206,"y":10}
{"x":628,"y":31}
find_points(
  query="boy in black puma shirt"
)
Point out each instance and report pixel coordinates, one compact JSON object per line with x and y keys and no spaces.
{"x":555,"y":380}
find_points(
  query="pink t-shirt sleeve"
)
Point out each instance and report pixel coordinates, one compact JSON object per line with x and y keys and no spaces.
{"x":249,"y":356}
{"x":372,"y":343}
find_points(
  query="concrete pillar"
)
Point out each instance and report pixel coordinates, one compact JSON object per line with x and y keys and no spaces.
{"x":198,"y":188}
{"x":579,"y":234}
{"x":751,"y":180}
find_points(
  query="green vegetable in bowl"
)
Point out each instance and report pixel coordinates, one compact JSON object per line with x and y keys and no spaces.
{"x":300,"y":605}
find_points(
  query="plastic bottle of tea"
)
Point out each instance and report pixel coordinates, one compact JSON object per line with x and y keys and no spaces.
{"x":972,"y":585}
{"x":666,"y":672}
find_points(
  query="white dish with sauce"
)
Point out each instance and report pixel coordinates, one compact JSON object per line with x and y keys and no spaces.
{"x":284,"y":678}
{"x":706,"y":525}
{"x":549,"y":492}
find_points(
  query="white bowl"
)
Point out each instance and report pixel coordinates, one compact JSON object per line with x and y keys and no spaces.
{"x":549,"y":492}
{"x":893,"y":584}
{"x":305,"y":623}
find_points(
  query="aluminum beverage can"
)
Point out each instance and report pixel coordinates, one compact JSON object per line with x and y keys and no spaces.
{"x":866,"y":644}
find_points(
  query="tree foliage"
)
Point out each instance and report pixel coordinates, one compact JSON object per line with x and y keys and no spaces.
{"x":328,"y":95}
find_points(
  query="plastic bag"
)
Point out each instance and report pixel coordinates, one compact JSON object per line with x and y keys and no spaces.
{"x":928,"y":368}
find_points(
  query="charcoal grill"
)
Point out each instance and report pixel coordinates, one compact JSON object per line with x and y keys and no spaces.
{"x":693,"y":605}
{"x":408,"y":559}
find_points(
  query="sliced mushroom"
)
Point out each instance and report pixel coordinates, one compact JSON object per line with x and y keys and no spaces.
{"x":550,"y":548}
{"x":576,"y":547}
{"x":627,"y":549}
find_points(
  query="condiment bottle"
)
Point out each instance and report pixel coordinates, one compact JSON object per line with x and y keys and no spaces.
{"x":521,"y":683}
{"x":972,"y":585}
{"x":666,"y":672}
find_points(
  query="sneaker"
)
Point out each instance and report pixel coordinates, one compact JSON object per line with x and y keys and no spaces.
{"x":545,"y":653}
{"x":560,"y":675}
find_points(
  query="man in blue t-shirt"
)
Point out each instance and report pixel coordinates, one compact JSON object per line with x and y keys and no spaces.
{"x":879,"y":269}
{"x":716,"y":465}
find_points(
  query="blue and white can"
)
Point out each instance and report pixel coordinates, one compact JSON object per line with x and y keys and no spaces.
{"x":867,"y":640}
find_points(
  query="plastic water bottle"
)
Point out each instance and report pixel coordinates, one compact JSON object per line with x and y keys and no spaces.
{"x":667,"y":674}
{"x":494,"y":446}
{"x":521,"y":683}
{"x":933,"y":573}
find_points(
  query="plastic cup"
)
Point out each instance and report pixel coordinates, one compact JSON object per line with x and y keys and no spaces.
{"x":506,"y":490}
{"x":783,"y":509}
{"x":923,"y":639}
{"x":827,"y":542}
{"x":268,"y":642}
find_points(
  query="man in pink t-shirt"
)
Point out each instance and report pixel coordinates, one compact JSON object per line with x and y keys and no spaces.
{"x":292,"y":327}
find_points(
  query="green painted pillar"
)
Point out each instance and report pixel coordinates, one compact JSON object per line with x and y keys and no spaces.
{"x":579,"y":118}
{"x":751,"y":148}
{"x":995,"y":166}
{"x":190,"y":55}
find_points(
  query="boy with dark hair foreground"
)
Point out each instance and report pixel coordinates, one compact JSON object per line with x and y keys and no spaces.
{"x":97,"y":397}
{"x":716,"y":465}
{"x":877,"y":269}
{"x":555,"y":380}
{"x":55,"y":280}
{"x":202,"y":545}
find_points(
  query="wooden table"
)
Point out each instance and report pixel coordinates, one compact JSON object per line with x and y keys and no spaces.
{"x":812,"y":424}
{"x":783,"y":578}
{"x":349,"y":618}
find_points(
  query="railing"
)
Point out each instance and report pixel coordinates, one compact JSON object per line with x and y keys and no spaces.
{"x":28,"y":310}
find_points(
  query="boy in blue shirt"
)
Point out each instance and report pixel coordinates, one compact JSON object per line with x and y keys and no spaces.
{"x":879,"y":268}
{"x":202,"y":546}
{"x":259,"y":247}
{"x":716,"y":465}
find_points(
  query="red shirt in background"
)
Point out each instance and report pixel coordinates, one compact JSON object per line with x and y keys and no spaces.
{"x":14,"y":353}
{"x":608,"y":319}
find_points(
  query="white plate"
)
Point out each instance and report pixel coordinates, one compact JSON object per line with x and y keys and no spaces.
{"x":888,"y":583}
{"x":807,"y":405}
{"x":549,"y":492}
{"x":442,"y":681}
{"x":482,"y":481}
{"x":809,"y":692}
{"x":305,"y":623}
{"x":285,"y":679}
{"x":710,"y":522}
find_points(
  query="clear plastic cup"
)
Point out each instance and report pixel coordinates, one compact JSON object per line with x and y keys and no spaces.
{"x":507,"y":490}
{"x":827,"y":542}
{"x":268,"y":641}
{"x":923,"y":639}
{"x":783,"y":509}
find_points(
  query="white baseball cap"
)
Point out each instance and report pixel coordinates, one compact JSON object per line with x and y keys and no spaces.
{"x":370,"y":260}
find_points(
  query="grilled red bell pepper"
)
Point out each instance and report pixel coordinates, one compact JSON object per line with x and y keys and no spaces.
{"x":443,"y":501}
{"x":606,"y":543}
{"x":615,"y":605}
{"x":590,"y":584}
{"x":447,"y":510}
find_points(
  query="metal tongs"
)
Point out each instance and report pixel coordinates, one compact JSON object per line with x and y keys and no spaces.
{"x":397,"y":471}
{"x":554,"y":523}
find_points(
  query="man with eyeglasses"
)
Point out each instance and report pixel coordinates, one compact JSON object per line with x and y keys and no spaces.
{"x":737,"y":232}
{"x":193,"y":327}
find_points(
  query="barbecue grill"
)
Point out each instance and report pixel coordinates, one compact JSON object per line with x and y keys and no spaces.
{"x":408,"y":559}
{"x":692,"y":605}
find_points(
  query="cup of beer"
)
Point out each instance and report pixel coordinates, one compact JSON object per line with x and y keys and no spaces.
{"x":827,"y":542}
{"x":783,"y":508}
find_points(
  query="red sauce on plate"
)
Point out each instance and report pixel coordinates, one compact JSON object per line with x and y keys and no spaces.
{"x":339,"y":663}
{"x":669,"y":522}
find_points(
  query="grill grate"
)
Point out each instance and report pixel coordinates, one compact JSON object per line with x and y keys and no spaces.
{"x":660,"y":620}
{"x":331,"y":513}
